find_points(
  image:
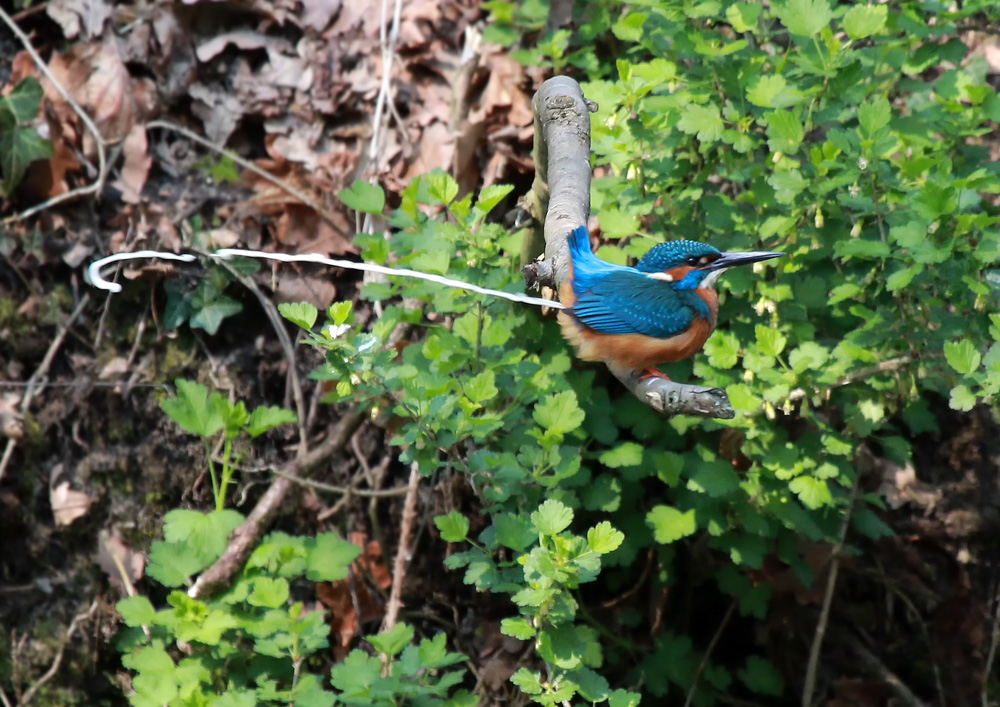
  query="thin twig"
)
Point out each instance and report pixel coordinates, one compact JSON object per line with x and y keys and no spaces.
{"x":824,"y":615}
{"x":41,"y":372}
{"x":346,"y":490}
{"x":402,"y":549}
{"x":102,"y":165}
{"x":54,"y":668}
{"x":708,"y":651}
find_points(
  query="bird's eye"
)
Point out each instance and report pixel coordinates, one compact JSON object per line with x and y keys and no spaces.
{"x":691,"y":260}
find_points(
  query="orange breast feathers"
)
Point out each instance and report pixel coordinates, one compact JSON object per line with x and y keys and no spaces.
{"x":636,"y":351}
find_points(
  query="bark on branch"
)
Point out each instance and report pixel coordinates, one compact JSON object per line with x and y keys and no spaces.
{"x":559,"y":202}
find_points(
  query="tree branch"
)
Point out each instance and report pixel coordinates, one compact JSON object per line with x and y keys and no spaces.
{"x":561,"y":194}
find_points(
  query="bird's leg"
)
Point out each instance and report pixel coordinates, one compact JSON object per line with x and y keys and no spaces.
{"x":650,"y":372}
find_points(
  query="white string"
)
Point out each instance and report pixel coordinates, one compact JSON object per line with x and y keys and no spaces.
{"x":97,"y":279}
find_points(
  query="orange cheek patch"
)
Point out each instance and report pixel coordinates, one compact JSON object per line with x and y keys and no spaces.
{"x":680,"y":272}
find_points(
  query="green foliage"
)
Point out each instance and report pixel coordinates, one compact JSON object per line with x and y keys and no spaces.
{"x":212,"y":416}
{"x":204,"y":305}
{"x":249,"y":646}
{"x":851,"y":137}
{"x":20,"y":142}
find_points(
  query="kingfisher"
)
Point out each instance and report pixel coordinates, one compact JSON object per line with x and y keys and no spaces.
{"x":660,"y":311}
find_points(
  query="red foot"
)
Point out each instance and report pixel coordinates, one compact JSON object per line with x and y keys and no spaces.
{"x":650,"y":372}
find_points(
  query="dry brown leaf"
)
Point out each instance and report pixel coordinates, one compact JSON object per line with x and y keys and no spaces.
{"x":113,"y":368}
{"x":301,"y":230}
{"x":295,"y":287}
{"x":68,"y":505}
{"x":114,"y":557}
{"x":243,"y":39}
{"x":86,"y":17}
{"x":437,"y":150}
{"x":11,"y":420}
{"x":220,"y":112}
{"x":318,"y":13}
{"x":135,"y":170}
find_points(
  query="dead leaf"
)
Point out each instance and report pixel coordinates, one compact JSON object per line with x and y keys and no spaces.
{"x":86,"y":17}
{"x":68,"y":505}
{"x":220,"y":112}
{"x":318,"y":13}
{"x":113,"y":368}
{"x":115,"y":557}
{"x":135,"y":170}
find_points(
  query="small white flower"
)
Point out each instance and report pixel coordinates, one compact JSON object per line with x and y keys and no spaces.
{"x":862,"y":164}
{"x":335,"y":331}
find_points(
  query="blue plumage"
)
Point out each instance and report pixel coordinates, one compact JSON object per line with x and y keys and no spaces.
{"x":615,"y":299}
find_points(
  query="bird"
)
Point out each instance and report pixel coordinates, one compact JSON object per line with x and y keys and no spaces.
{"x":660,"y":311}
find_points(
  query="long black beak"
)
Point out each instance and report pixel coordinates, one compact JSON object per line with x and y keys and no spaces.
{"x":729,"y":260}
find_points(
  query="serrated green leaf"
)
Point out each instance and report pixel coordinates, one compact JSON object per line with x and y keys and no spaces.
{"x":762,"y":677}
{"x":393,"y":641}
{"x":269,"y":592}
{"x":454,"y":527}
{"x":765,"y":90}
{"x":723,"y":349}
{"x":669,"y":524}
{"x":875,"y":114}
{"x":962,"y":356}
{"x":784,"y":131}
{"x":136,"y":610}
{"x":329,"y":557}
{"x":492,"y":195}
{"x":482,"y":387}
{"x":604,"y":538}
{"x":301,"y":314}
{"x":442,"y":186}
{"x":704,"y":121}
{"x":623,"y":455}
{"x":364,"y":197}
{"x":559,"y":413}
{"x":865,"y":20}
{"x":805,"y":17}
{"x":743,"y":16}
{"x":814,"y":493}
{"x":517,"y":628}
{"x":190,"y":409}
{"x":962,"y":398}
{"x":861,"y":248}
{"x":268,"y":417}
{"x":771,"y":342}
{"x":552,"y":517}
{"x":808,"y":355}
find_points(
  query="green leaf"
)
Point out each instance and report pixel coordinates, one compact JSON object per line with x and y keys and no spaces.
{"x":205,"y":533}
{"x":363,"y":196}
{"x":784,"y":131}
{"x":393,"y":641}
{"x":136,"y":610}
{"x":622,"y":698}
{"x":341,"y":312}
{"x":604,"y":538}
{"x":861,"y":248}
{"x":517,"y":628}
{"x":716,"y":478}
{"x":765,"y":90}
{"x":762,"y":677}
{"x":625,"y":454}
{"x":492,"y":195}
{"x":302,"y":314}
{"x":269,"y":592}
{"x":454,"y":527}
{"x":19,"y":147}
{"x":805,"y":17}
{"x":902,"y":278}
{"x":808,"y":355}
{"x":771,"y":342}
{"x":210,"y":315}
{"x":962,"y":398}
{"x":552,"y":517}
{"x":268,"y":417}
{"x":669,"y":524}
{"x":865,"y":20}
{"x":442,"y":186}
{"x":559,"y":413}
{"x":21,"y":105}
{"x":482,"y":387}
{"x":156,"y":680}
{"x":703,"y":121}
{"x":329,"y":557}
{"x":743,"y":16}
{"x":814,"y":493}
{"x":723,"y":349}
{"x":962,"y":356}
{"x":875,"y":114}
{"x":357,"y":673}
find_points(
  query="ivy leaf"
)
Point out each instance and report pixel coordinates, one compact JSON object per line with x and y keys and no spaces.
{"x":604,"y":538}
{"x":19,"y":147}
{"x":21,"y":105}
{"x":210,"y":315}
{"x":865,"y":20}
{"x":364,"y":197}
{"x":454,"y":527}
{"x":301,"y":314}
{"x":805,"y":17}
{"x":962,"y":356}
{"x":552,"y":517}
{"x":669,"y":524}
{"x":703,"y":121}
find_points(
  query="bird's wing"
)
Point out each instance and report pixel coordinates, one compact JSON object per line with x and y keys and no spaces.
{"x":628,"y":302}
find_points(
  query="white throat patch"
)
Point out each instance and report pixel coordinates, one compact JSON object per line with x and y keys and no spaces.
{"x":709,"y":281}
